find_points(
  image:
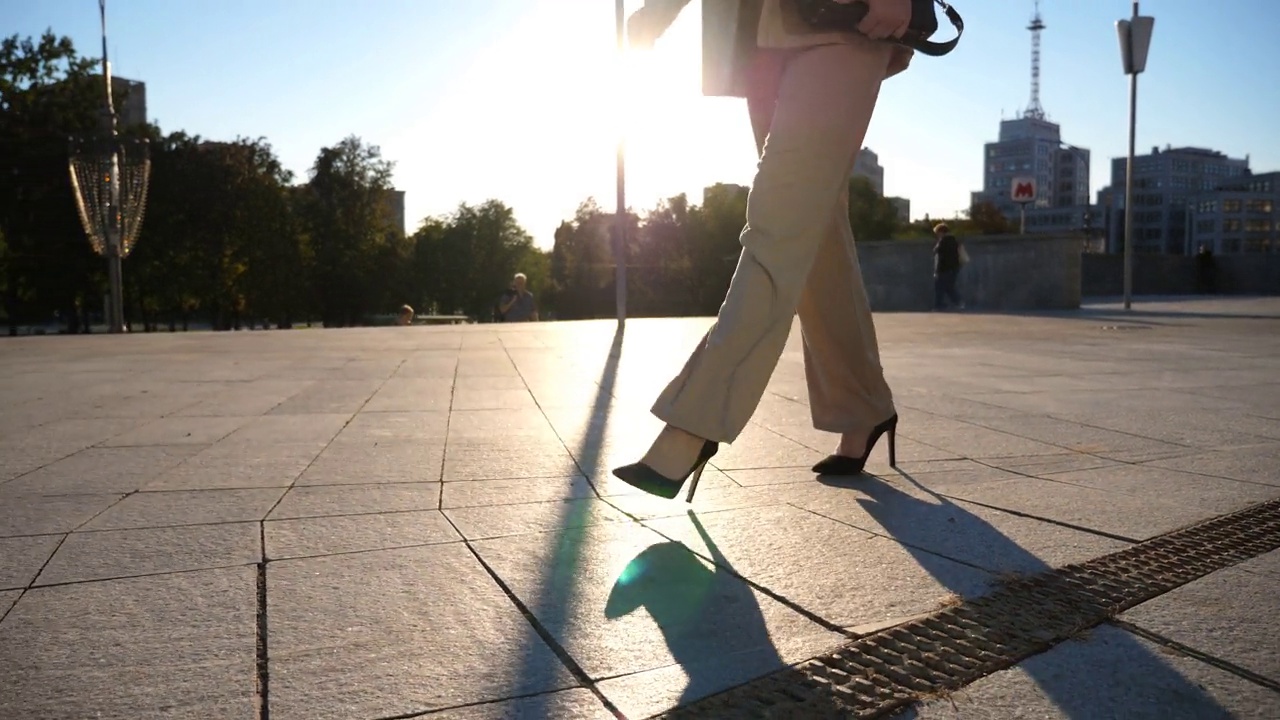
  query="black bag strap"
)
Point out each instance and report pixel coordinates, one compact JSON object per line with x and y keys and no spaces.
{"x":939,"y":49}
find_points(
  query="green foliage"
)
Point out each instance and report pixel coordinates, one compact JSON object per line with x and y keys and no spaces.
{"x":986,"y":219}
{"x":465,"y":260}
{"x":46,"y":95}
{"x":344,"y":207}
{"x":228,"y":238}
{"x":871,"y":216}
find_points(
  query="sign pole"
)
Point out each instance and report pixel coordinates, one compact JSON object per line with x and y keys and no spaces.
{"x":620,"y":219}
{"x":1135,"y":41}
{"x":1023,"y":191}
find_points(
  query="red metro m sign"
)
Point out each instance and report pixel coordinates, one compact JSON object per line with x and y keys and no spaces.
{"x":1024,"y":190}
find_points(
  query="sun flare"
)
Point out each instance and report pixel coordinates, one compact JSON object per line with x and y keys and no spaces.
{"x":553,"y":97}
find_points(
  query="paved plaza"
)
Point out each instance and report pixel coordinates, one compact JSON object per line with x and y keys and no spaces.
{"x":362,"y":524}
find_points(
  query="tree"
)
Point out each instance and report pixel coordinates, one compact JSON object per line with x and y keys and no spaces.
{"x":871,"y":215}
{"x":715,"y":245}
{"x":464,"y":260}
{"x":46,"y":95}
{"x":987,"y":219}
{"x":583,"y":264}
{"x":349,"y":228}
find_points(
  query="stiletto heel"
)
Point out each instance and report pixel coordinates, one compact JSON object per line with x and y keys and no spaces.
{"x":845,"y":465}
{"x":893,"y":442}
{"x":639,"y":475}
{"x":693,"y":482}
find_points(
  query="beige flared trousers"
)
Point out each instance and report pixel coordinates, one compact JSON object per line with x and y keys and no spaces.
{"x":810,"y":110}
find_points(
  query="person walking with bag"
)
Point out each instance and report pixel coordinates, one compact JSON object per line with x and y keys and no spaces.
{"x":810,"y":96}
{"x":948,"y":257}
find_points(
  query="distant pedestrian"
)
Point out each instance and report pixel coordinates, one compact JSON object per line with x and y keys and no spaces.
{"x":948,"y":258}
{"x":406,"y":315}
{"x":519,"y":305}
{"x":1206,"y":281}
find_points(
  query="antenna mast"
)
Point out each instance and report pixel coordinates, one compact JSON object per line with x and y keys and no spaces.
{"x":1035,"y":110}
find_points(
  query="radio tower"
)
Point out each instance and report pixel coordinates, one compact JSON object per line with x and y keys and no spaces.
{"x":1035,"y":110}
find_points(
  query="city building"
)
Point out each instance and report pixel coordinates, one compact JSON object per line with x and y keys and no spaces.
{"x":868,"y":166}
{"x":1031,"y":147}
{"x":903,"y":206}
{"x":1164,"y":183}
{"x":129,"y":98}
{"x":1087,"y":221}
{"x":1239,"y":216}
{"x":394,"y":200}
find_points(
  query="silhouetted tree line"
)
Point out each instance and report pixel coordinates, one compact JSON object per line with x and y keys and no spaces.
{"x":231,"y":240}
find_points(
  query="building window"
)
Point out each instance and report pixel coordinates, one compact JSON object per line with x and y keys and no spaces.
{"x":1231,"y":245}
{"x":1257,"y":226}
{"x":1257,"y":246}
{"x":1230,"y":206}
{"x":1258,"y":206}
{"x":1206,"y":226}
{"x":1231,"y":225}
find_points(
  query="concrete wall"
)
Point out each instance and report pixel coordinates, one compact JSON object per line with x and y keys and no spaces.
{"x":1004,"y":273}
{"x":1103,"y":275}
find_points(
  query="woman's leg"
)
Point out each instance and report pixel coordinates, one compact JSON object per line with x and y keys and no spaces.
{"x":826,"y":96}
{"x":848,"y":393}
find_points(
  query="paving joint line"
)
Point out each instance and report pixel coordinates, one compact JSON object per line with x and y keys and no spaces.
{"x":1047,"y":520}
{"x":137,"y":576}
{"x":1204,"y":657}
{"x":262,"y":657}
{"x":465,"y":706}
{"x":1024,"y":616}
{"x":561,"y":653}
{"x":771,"y":594}
{"x":448,"y":425}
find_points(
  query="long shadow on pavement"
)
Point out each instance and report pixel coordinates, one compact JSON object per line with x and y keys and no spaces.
{"x":1073,"y":685}
{"x":552,"y":606}
{"x":693,"y":605}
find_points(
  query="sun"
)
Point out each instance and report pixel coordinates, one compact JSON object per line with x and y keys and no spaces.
{"x":535,"y":119}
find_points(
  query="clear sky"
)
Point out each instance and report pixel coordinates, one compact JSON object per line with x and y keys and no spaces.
{"x":522,"y":100}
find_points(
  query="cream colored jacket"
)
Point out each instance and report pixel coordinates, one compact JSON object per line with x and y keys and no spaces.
{"x":731,"y":29}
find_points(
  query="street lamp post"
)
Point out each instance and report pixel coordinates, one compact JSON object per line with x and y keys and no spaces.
{"x":620,"y":218}
{"x":1135,"y":41}
{"x":109,"y":177}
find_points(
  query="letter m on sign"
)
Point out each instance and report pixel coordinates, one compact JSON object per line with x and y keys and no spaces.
{"x":1024,"y":190}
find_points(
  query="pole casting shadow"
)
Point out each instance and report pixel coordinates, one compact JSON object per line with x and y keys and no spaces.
{"x":1114,"y":668}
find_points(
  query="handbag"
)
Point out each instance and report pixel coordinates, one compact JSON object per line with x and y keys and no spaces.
{"x":964,"y":256}
{"x":831,"y":16}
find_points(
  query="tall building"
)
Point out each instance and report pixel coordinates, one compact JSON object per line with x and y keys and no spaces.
{"x":1031,"y":146}
{"x":903,"y":206}
{"x":129,"y":98}
{"x":395,"y":209}
{"x":1164,"y":183}
{"x":868,"y":166}
{"x":1240,"y":216}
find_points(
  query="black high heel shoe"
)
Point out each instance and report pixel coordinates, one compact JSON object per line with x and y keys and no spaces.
{"x":845,"y":465}
{"x":642,"y":476}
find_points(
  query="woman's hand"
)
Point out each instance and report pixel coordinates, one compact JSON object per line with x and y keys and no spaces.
{"x":884,"y":18}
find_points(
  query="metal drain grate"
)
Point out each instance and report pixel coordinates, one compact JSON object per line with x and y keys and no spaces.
{"x":1025,"y":616}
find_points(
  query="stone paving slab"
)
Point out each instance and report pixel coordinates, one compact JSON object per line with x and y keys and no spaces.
{"x":392,"y":632}
{"x":634,"y":604}
{"x":1107,"y":673}
{"x":1226,"y":615}
{"x":368,"y":523}
{"x":179,"y":645}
